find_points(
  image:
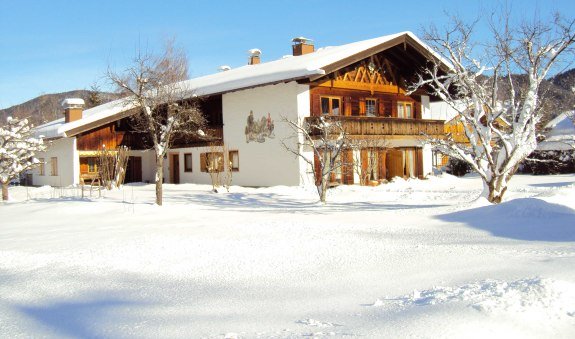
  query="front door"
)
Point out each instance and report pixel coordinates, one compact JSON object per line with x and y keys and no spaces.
{"x":175,"y":168}
{"x":134,"y":170}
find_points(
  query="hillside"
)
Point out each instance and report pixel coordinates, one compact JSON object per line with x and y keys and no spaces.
{"x":47,"y":107}
{"x":565,"y":80}
{"x":558,"y":93}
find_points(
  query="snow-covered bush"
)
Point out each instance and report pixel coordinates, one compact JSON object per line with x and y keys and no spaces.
{"x":17,"y":150}
{"x":549,"y":162}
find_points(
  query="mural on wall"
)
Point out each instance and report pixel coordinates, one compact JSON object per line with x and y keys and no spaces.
{"x":259,"y":129}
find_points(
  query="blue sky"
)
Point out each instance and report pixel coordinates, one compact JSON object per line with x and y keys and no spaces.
{"x":56,"y":46}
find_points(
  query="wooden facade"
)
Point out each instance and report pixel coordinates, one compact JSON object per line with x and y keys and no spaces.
{"x":370,"y":99}
{"x":379,"y":126}
{"x":120,"y":133}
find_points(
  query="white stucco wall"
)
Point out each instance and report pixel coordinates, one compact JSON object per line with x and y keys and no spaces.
{"x":441,"y":111}
{"x":68,"y":164}
{"x":260,"y":163}
{"x":265,"y":163}
{"x":425,"y":107}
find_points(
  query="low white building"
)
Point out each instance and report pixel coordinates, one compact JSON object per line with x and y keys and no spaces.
{"x":362,"y":84}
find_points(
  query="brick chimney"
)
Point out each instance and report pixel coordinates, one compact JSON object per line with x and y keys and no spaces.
{"x":73,"y":108}
{"x":302,"y":46}
{"x":254,"y":56}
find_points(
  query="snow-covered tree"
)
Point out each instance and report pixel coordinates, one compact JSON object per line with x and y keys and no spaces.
{"x":499,"y":115}
{"x":165,"y":110}
{"x":17,"y":150}
{"x":326,"y":139}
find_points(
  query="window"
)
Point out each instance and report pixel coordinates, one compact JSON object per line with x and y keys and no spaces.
{"x":92,"y":165}
{"x":370,"y":107}
{"x":187,"y":162}
{"x":404,"y":110}
{"x":234,"y":158}
{"x":372,"y":164}
{"x":54,"y":166}
{"x":212,"y":162}
{"x":330,"y":105}
{"x":409,"y":163}
{"x":42,"y":168}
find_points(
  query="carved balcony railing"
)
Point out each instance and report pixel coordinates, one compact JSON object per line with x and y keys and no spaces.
{"x":363,"y":126}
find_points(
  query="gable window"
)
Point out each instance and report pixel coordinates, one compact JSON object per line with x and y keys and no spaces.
{"x":42,"y":168}
{"x":234,"y":158}
{"x":370,"y":107}
{"x":54,"y":166}
{"x":404,"y":110}
{"x":330,"y":105}
{"x":187,"y":162}
{"x":212,"y":162}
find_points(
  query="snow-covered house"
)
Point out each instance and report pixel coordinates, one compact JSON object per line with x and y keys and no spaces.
{"x":555,"y":153}
{"x":559,"y":134}
{"x":362,"y":84}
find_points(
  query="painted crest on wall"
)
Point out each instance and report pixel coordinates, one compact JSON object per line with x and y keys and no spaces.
{"x":259,"y":129}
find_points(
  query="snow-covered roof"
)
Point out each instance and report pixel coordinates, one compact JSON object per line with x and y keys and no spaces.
{"x":57,"y":128}
{"x":286,"y":69}
{"x":560,"y":133}
{"x":49,"y":130}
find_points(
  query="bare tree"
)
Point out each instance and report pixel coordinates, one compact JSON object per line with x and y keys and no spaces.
{"x":213,"y":163}
{"x":17,"y":150}
{"x":372,"y":165}
{"x":499,"y":121}
{"x":319,"y":142}
{"x":228,"y":174}
{"x":164,"y":110}
{"x":112,"y":166}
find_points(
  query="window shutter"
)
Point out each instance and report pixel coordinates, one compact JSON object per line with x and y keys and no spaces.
{"x":347,"y":106}
{"x":381,"y":162}
{"x":364,"y":163}
{"x":203,"y":162}
{"x":317,"y":169}
{"x":362,"y":106}
{"x":354,"y":106}
{"x":315,"y":105}
{"x":419,"y":163}
{"x":348,"y":167}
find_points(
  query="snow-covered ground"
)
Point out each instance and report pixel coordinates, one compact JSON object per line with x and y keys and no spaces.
{"x":408,"y":259}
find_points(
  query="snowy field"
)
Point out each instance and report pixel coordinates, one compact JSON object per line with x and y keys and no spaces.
{"x":409,"y":259}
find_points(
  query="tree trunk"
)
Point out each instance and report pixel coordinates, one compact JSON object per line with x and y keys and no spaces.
{"x":159,"y":179}
{"x":323,"y":194}
{"x":494,"y":190}
{"x":4,"y":191}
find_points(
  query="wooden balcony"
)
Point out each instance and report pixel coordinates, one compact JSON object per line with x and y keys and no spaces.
{"x":362,"y":126}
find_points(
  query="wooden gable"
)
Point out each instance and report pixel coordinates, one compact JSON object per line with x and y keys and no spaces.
{"x":373,"y":74}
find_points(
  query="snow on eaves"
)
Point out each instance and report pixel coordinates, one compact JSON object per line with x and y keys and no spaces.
{"x":49,"y":130}
{"x":282,"y":70}
{"x":97,"y":113}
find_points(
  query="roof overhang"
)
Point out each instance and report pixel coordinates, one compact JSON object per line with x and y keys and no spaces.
{"x":406,"y":38}
{"x":98,"y":123}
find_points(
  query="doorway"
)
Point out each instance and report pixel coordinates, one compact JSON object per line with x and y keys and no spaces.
{"x":175,"y":168}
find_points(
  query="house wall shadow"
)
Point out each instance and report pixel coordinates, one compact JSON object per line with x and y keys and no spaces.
{"x":528,"y":219}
